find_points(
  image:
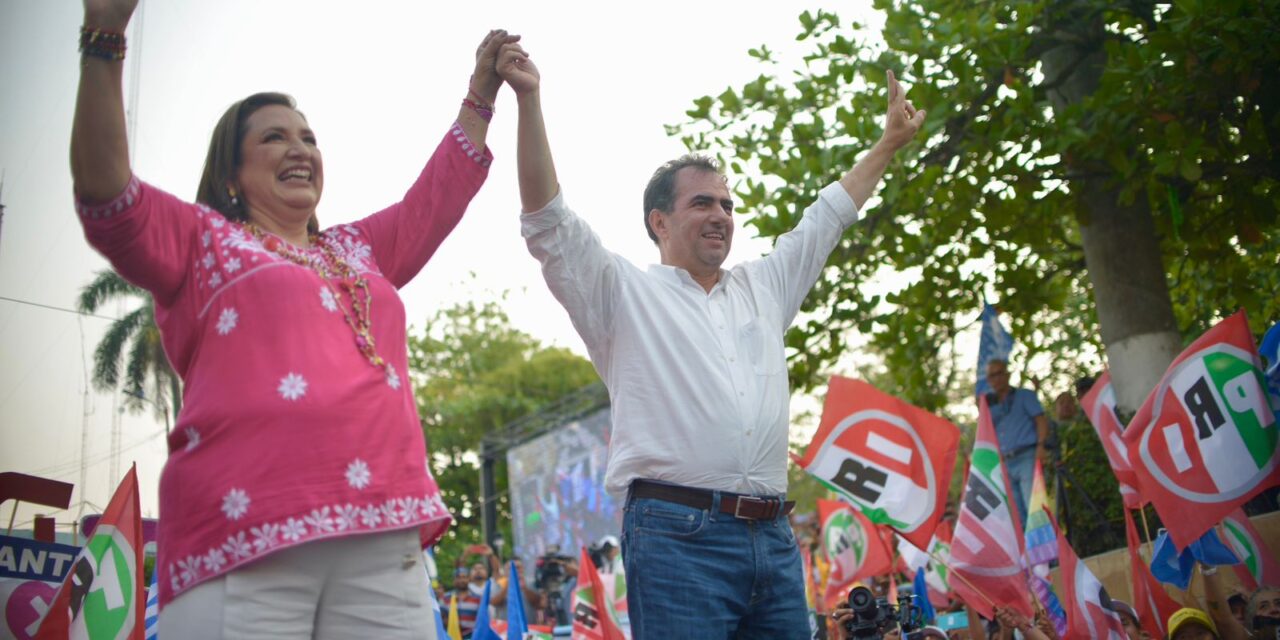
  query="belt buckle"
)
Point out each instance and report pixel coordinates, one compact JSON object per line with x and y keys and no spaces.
{"x":737,"y":508}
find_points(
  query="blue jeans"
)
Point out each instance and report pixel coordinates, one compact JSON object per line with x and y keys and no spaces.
{"x":695,"y":573}
{"x":1021,"y":468}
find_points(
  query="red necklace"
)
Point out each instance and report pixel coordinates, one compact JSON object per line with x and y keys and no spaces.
{"x":330,"y":267}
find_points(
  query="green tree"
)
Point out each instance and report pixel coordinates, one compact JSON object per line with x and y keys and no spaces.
{"x":134,"y":341}
{"x":474,"y":373}
{"x":1105,"y":170}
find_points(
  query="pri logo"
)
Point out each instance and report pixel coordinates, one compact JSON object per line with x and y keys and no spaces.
{"x":103,"y":587}
{"x":1212,"y":435}
{"x":846,"y":544}
{"x":874,"y":459}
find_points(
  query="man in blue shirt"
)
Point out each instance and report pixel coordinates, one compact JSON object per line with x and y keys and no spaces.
{"x":1021,"y":430}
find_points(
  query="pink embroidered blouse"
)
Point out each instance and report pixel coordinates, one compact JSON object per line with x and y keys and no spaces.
{"x":287,"y":433}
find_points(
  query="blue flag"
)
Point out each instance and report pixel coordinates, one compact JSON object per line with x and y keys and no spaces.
{"x":483,"y":630}
{"x":1270,"y":350}
{"x":153,"y":607}
{"x":517,"y":623}
{"x":441,"y":631}
{"x":921,"y":589}
{"x":1170,"y":566}
{"x":994,"y":342}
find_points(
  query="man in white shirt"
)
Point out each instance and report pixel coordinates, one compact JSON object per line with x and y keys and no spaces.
{"x":693,"y":358}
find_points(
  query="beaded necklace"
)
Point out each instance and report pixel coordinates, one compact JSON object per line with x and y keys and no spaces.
{"x":330,"y":266}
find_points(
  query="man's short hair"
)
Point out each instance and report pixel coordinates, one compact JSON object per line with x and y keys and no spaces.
{"x":660,"y":193}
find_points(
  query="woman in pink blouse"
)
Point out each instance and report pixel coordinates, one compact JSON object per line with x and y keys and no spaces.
{"x":296,"y":497}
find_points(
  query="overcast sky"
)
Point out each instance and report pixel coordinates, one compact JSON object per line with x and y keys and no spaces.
{"x":380,"y":82}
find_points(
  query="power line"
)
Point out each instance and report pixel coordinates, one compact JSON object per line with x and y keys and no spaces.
{"x":47,"y":306}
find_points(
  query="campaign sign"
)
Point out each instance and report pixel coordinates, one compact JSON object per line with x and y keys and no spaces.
{"x":30,"y":572}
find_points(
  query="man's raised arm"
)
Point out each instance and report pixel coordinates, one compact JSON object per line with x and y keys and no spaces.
{"x":902,"y":121}
{"x":534,"y":166}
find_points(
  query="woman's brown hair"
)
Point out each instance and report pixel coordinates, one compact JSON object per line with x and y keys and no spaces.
{"x":223,"y":162}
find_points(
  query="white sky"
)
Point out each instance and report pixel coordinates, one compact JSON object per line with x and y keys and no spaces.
{"x":380,"y":82}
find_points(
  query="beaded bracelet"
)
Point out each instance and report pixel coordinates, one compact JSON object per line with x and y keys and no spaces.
{"x":485,"y":112}
{"x":100,"y":43}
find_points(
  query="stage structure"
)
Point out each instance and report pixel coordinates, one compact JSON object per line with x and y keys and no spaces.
{"x":555,"y":472}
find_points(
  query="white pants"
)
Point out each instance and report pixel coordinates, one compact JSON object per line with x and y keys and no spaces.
{"x":363,"y":586}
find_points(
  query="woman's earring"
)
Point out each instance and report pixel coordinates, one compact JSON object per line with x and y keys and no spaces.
{"x":235,"y":202}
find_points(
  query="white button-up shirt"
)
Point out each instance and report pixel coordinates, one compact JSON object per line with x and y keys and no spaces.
{"x":697,"y":380}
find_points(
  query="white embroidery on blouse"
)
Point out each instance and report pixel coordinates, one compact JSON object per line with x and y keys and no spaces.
{"x":235,"y":504}
{"x":227,"y":320}
{"x":292,"y":387}
{"x":327,"y":300}
{"x":358,"y":474}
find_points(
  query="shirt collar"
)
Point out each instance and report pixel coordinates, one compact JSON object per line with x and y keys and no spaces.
{"x":681,"y":277}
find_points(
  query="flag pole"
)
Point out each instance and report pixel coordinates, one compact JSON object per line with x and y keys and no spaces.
{"x":1147,"y":532}
{"x":952,"y":572}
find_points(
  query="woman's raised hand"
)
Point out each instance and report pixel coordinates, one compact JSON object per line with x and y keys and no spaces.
{"x":108,"y":14}
{"x":485,"y":82}
{"x":517,"y":69}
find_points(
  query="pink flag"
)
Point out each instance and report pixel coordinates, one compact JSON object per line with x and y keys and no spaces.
{"x":1090,"y":615}
{"x":987,"y":546}
{"x":1100,"y":407}
{"x":1258,"y":564}
{"x":889,"y":459}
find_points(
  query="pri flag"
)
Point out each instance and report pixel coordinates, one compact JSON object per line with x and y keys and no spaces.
{"x":1258,"y":565}
{"x":852,"y":546}
{"x":103,"y":596}
{"x":1100,"y":407}
{"x":1090,"y":615}
{"x":986,"y":550}
{"x":1205,"y":440}
{"x":1153,"y":604}
{"x":888,"y":458}
{"x":935,"y":563}
{"x":593,"y":614}
{"x":993,"y":343}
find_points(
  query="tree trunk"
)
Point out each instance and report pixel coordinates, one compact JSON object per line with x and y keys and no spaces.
{"x":1121,"y":250}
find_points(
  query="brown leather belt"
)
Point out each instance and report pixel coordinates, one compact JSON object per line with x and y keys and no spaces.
{"x":736,"y":505}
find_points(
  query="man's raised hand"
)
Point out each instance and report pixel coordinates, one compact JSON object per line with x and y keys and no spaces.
{"x":517,"y":69}
{"x":902,"y":120}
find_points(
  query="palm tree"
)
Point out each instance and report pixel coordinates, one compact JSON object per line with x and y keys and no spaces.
{"x":145,"y":365}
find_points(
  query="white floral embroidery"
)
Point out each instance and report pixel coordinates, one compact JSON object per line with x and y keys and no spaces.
{"x":189,"y":569}
{"x":358,"y":474}
{"x":215,"y":280}
{"x":207,"y":260}
{"x":393,"y":378}
{"x":237,"y":547}
{"x":356,"y":253}
{"x":293,"y":530}
{"x":227,"y":320}
{"x":327,"y":300}
{"x":215,"y":561}
{"x":370,"y":516}
{"x":206,"y":238}
{"x":173,"y":579}
{"x":406,"y":508}
{"x":264,"y":537}
{"x":217,"y":221}
{"x":320,"y":520}
{"x":346,"y":516}
{"x":232,"y":265}
{"x":292,"y":387}
{"x":427,"y":507}
{"x":235,"y":504}
{"x":389,"y":510}
{"x":193,"y":438}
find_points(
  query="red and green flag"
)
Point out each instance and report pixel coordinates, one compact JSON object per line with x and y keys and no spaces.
{"x":104,"y":595}
{"x":1258,"y":565}
{"x":594,"y":617}
{"x":889,"y":459}
{"x":1205,"y":441}
{"x":1153,"y":604}
{"x":986,"y":548}
{"x":1090,"y":614}
{"x":853,"y":548}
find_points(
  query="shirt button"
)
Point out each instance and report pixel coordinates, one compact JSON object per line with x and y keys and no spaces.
{"x":742,"y":393}
{"x":731,"y":359}
{"x":750,"y":431}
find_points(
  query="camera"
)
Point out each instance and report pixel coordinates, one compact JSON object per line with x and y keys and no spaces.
{"x":873,"y":616}
{"x":550,"y":572}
